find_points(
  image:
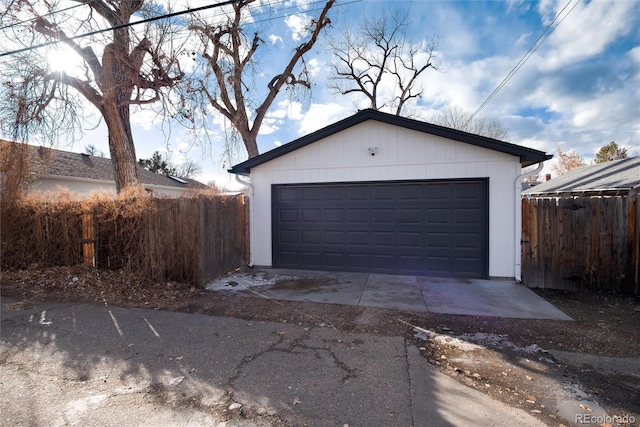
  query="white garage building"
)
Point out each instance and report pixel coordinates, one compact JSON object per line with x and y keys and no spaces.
{"x":382,"y":193}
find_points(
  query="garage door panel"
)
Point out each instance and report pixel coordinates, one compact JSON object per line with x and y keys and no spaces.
{"x":438,"y":264}
{"x":334,"y":260}
{"x":383,"y":262}
{"x":386,"y":239}
{"x":358,"y":261}
{"x":437,"y":241}
{"x":383,"y":216}
{"x":467,"y":216}
{"x":384,"y":193}
{"x":413,"y":227}
{"x":466,"y":266}
{"x":311,"y":194}
{"x":358,"y":238}
{"x":310,"y":259}
{"x":288,"y":215}
{"x":411,"y":193}
{"x":467,"y":241}
{"x":332,"y":194}
{"x":309,"y":237}
{"x":358,"y":193}
{"x":333,"y":238}
{"x":466,"y":191}
{"x":437,"y":216}
{"x":288,"y":194}
{"x":310,"y":215}
{"x":336,"y":215}
{"x":411,"y":240}
{"x":358,"y":216}
{"x":438,"y":192}
{"x":288,"y":236}
{"x":288,"y":259}
{"x":409,"y":215}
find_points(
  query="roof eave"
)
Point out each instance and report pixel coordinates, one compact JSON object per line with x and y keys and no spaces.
{"x":527,"y":156}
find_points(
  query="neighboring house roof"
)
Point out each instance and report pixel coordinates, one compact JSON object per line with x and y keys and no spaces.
{"x":618,"y":176}
{"x":51,"y":162}
{"x":527,"y":156}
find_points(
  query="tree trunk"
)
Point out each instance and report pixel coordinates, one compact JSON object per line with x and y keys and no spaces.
{"x":250,"y":142}
{"x":121,"y":148}
{"x":117,"y":88}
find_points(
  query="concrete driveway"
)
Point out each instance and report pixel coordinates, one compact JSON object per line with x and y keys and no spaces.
{"x":474,"y":297}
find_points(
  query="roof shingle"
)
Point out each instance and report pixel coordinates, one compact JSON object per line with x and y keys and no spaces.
{"x":49,"y":161}
{"x":611,"y":177}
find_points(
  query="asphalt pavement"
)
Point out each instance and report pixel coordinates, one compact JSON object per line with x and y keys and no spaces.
{"x":70,"y":364}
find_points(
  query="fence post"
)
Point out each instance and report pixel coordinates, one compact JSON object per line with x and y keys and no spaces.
{"x":88,"y":239}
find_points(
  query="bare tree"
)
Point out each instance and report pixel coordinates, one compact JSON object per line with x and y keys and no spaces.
{"x":229,"y":55}
{"x":456,"y":118}
{"x":378,"y":56}
{"x":188,"y":169}
{"x":120,"y":68}
{"x":92,"y":150}
{"x":567,"y":161}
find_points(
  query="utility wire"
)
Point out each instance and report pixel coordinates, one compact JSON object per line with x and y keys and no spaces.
{"x":225,"y":3}
{"x":53,"y":12}
{"x":117,"y":27}
{"x":545,"y":34}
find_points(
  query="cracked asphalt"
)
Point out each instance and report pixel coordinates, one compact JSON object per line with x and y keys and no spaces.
{"x":72,"y":364}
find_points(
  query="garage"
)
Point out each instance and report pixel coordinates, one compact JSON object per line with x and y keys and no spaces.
{"x":436,"y":228}
{"x":379,"y":193}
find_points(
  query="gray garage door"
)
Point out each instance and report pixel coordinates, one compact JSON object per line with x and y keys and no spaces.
{"x":416,"y":227}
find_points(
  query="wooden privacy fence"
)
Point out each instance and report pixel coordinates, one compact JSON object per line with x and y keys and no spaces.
{"x":581,"y":242}
{"x":190,"y":239}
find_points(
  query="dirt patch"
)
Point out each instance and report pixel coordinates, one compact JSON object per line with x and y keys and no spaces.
{"x":509,"y":359}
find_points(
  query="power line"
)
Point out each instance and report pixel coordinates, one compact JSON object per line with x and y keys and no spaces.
{"x":279,"y":16}
{"x":117,"y":27}
{"x":545,"y":34}
{"x":53,"y":12}
{"x":273,"y":2}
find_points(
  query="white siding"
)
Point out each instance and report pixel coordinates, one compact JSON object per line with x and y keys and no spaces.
{"x":81,"y":188}
{"x":402,"y":154}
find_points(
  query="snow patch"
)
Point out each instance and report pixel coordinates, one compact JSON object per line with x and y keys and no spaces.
{"x":244,"y":281}
{"x":477,"y":341}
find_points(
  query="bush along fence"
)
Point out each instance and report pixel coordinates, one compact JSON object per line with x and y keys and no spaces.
{"x":190,"y":240}
{"x":581,"y":242}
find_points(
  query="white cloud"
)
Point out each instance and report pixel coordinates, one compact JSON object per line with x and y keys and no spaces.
{"x":268,"y":126}
{"x":145,"y":118}
{"x":287,"y":109}
{"x":587,"y":31}
{"x":634,"y":54}
{"x":321,"y":115}
{"x":275,"y":39}
{"x":297,"y":25}
{"x":314,"y":67}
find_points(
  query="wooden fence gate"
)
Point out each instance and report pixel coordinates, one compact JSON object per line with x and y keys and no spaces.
{"x":581,"y":242}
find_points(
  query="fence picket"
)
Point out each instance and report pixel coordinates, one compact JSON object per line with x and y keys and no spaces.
{"x":191,"y":240}
{"x":580,"y":242}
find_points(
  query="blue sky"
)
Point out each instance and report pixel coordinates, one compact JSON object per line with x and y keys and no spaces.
{"x":580,"y":89}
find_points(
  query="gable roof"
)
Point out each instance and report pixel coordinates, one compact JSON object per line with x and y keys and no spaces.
{"x":46,"y":161}
{"x":527,"y":156}
{"x":615,"y":177}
